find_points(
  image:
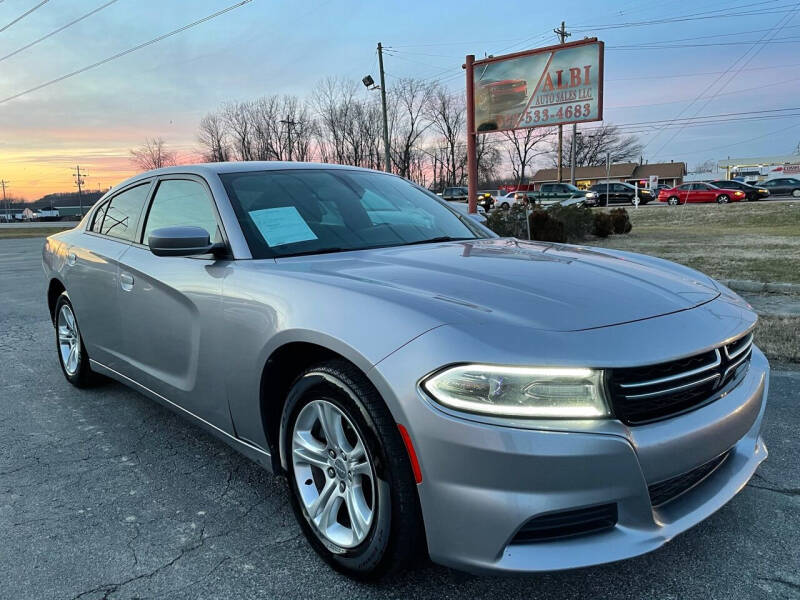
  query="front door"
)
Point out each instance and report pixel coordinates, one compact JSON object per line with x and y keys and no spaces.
{"x":171,"y":307}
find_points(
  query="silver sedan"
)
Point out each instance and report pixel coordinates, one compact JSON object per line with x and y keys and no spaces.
{"x":426,"y":387}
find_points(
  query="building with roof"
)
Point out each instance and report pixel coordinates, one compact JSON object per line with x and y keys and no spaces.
{"x":671,"y":173}
{"x":754,"y":170}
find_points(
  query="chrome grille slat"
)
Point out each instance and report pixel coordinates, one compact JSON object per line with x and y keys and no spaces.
{"x":677,"y":376}
{"x":738,"y":363}
{"x":640,"y":395}
{"x":744,"y":347}
{"x":671,"y":390}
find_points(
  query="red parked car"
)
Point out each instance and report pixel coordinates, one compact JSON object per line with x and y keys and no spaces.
{"x":504,"y":92}
{"x":699,"y":192}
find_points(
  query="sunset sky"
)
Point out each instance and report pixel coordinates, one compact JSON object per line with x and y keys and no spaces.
{"x":263,"y":47}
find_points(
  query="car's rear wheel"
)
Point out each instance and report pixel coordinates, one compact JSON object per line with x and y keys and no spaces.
{"x":72,"y":355}
{"x":673,"y":201}
{"x":723,"y":199}
{"x":505,"y":206}
{"x":350,"y":479}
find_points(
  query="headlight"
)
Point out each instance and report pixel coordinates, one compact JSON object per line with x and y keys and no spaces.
{"x":761,"y":191}
{"x":520,"y":391}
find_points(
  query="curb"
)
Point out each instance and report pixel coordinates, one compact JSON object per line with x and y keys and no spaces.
{"x":742,"y":285}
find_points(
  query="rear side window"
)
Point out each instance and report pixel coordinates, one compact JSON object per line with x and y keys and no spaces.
{"x":180,"y":202}
{"x":122,"y":216}
{"x":97,"y":221}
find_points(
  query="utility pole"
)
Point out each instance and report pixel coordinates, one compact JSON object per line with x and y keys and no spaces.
{"x":3,"y":184}
{"x":79,"y":181}
{"x":386,"y":155}
{"x":289,"y":124}
{"x":608,"y":174}
{"x":562,"y":38}
{"x":572,"y":153}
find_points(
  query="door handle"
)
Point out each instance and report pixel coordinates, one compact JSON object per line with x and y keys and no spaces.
{"x":126,"y":281}
{"x":71,"y":259}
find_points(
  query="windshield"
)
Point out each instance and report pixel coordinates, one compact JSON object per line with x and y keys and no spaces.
{"x":311,"y":211}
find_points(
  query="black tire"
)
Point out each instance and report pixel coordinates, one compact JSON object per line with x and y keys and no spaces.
{"x":396,"y":538}
{"x":505,"y":206}
{"x":723,"y":199}
{"x":796,"y":193}
{"x":673,"y":201}
{"x":82,"y":376}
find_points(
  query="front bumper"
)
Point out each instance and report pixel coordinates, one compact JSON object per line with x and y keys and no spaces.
{"x":482,"y":482}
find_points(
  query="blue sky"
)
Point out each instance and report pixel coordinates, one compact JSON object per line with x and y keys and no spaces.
{"x":287,"y":47}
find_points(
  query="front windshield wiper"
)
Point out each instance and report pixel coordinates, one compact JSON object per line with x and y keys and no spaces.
{"x":330,"y":250}
{"x":441,"y":238}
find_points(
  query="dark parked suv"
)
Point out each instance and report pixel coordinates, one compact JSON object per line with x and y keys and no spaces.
{"x":617,"y":192}
{"x":751,"y":192}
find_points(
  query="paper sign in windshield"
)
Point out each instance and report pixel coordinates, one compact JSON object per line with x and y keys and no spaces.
{"x":280,"y":226}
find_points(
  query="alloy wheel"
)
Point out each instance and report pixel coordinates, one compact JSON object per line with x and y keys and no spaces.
{"x":722,"y":199}
{"x":672,"y":201}
{"x":333,"y":474}
{"x":69,"y":340}
{"x":796,"y":193}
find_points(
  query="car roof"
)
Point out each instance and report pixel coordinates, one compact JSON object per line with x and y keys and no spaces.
{"x":220,"y":168}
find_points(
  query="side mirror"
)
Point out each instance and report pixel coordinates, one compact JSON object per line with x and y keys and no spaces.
{"x":184,"y":240}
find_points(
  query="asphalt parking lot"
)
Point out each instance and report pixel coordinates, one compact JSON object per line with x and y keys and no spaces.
{"x":105,"y":494}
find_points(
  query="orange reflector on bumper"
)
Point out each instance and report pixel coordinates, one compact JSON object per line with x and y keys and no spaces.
{"x":412,"y":455}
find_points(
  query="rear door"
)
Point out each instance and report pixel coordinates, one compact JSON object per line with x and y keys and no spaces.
{"x":171,"y":305}
{"x":92,"y":272}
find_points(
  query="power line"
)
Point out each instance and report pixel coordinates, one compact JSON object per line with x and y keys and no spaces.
{"x":755,"y":48}
{"x":23,"y":15}
{"x":126,"y":52}
{"x":667,"y":46}
{"x":712,"y":14}
{"x":59,"y":30}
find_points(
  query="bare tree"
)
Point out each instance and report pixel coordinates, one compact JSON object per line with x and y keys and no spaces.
{"x":213,"y":138}
{"x":592,"y":147}
{"x":153,"y":154}
{"x":446,"y":113}
{"x":707,"y":166}
{"x":237,"y":117}
{"x":522,"y":147}
{"x":409,"y":100}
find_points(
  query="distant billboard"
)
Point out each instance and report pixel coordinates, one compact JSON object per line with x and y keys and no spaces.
{"x":539,"y":88}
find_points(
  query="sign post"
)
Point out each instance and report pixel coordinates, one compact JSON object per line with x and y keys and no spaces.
{"x":472,"y":159}
{"x":545,"y":87}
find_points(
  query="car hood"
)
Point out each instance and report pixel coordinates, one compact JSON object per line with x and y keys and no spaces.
{"x":541,"y":285}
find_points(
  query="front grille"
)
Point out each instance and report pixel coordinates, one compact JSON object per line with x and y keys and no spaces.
{"x":568,"y":523}
{"x":645,"y":394}
{"x":664,"y":491}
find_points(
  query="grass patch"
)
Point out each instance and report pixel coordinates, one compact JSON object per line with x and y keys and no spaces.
{"x":750,"y":240}
{"x":778,"y":337}
{"x":29,"y":232}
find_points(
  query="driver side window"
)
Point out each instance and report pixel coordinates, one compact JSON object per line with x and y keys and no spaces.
{"x":182,"y":202}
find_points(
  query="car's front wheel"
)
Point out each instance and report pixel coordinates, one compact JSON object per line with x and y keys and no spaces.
{"x":796,"y":193}
{"x":350,"y":479}
{"x":723,"y":199}
{"x":505,"y":206}
{"x":72,"y":355}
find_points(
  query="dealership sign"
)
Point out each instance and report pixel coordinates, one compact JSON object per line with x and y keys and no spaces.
{"x":539,"y":88}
